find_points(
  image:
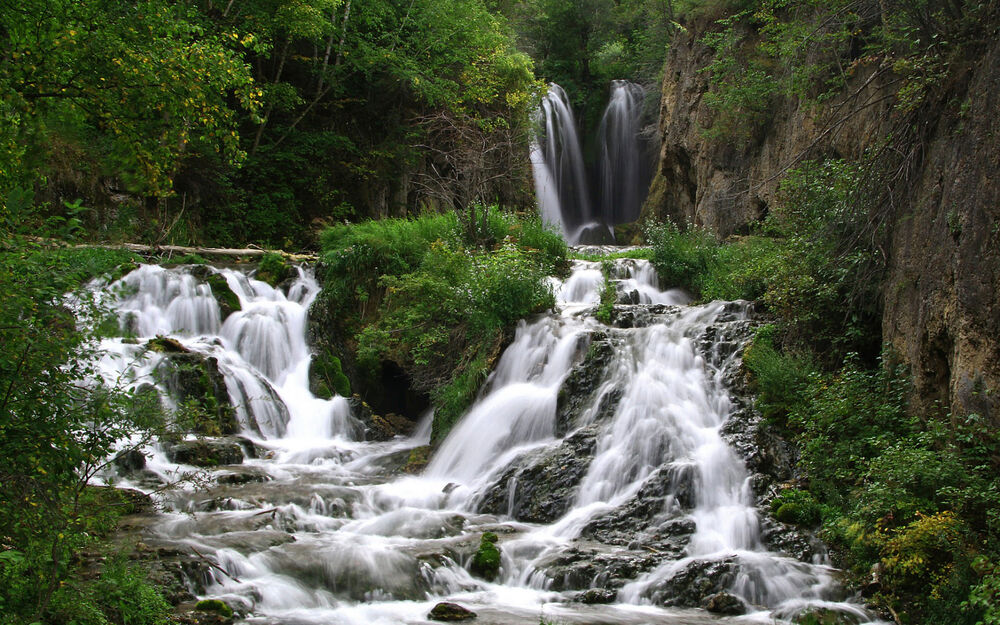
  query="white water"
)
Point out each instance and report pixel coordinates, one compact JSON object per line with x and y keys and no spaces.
{"x":622,"y":165}
{"x":333,"y":538}
{"x":562,"y":187}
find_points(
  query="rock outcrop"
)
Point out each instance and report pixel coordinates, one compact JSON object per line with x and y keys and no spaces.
{"x":942,"y":288}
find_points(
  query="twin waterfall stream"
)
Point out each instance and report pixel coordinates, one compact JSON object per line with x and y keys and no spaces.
{"x":599,"y":455}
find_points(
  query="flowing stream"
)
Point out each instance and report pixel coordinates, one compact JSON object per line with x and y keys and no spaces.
{"x":597,"y":453}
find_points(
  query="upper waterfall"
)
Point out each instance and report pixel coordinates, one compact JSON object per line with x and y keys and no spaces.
{"x":566,"y":195}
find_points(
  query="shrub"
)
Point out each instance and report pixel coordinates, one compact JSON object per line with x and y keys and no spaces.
{"x":797,"y":507}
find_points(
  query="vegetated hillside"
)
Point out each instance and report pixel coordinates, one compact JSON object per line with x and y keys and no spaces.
{"x":230,"y":123}
{"x":908,"y":94}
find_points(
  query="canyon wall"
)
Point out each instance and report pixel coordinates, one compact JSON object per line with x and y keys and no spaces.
{"x":941,"y":308}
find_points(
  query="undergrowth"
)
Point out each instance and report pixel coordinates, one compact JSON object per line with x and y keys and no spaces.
{"x":417,"y":293}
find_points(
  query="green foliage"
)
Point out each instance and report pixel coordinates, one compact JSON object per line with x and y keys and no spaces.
{"x":694,"y":260}
{"x":120,"y":595}
{"x":411,"y":292}
{"x":142,"y":80}
{"x":778,"y":379}
{"x":58,"y":423}
{"x":609,"y":296}
{"x":797,"y":507}
{"x":584,"y":45}
{"x":272,"y":268}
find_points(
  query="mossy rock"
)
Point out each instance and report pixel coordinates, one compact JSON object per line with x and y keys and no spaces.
{"x":273,"y":269}
{"x":228,"y":301}
{"x":206,"y":453}
{"x":166,"y":345}
{"x":326,"y":377}
{"x":486,"y":562}
{"x":826,"y":616}
{"x":418,"y":460}
{"x":450,"y":612}
{"x":214,"y":605}
{"x":196,"y":384}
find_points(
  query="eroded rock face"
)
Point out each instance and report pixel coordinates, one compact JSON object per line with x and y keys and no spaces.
{"x":942,"y":289}
{"x":942,"y":295}
{"x":541,"y":487}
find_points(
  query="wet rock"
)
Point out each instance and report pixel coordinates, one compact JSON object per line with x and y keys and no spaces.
{"x":541,"y":486}
{"x":827,"y":616}
{"x":195,"y":381}
{"x":639,"y":514}
{"x":577,"y":392}
{"x":417,"y":459}
{"x":242,"y":475}
{"x":449,"y":612}
{"x":206,"y":452}
{"x":130,"y":461}
{"x":584,"y":566}
{"x":226,"y":298}
{"x":377,"y":427}
{"x":596,"y":596}
{"x":724,"y":603}
{"x":692,"y":585}
{"x":486,"y":562}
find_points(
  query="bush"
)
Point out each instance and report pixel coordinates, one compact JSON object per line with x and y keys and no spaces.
{"x":797,"y":507}
{"x":414,"y":293}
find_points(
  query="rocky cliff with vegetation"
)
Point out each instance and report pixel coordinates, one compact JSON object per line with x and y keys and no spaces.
{"x":917,"y":117}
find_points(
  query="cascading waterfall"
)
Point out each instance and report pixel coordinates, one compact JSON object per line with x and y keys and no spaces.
{"x":561,"y":177}
{"x":596,"y":453}
{"x":622,"y":165}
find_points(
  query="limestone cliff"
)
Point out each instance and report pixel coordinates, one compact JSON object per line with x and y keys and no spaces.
{"x":942,"y":292}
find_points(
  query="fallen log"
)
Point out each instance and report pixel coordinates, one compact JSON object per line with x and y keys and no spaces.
{"x":168,"y":250}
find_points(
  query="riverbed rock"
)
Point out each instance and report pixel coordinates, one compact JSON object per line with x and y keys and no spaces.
{"x":541,"y":486}
{"x":724,"y":603}
{"x":691,"y":586}
{"x":130,"y":461}
{"x":206,"y":452}
{"x":448,"y":612}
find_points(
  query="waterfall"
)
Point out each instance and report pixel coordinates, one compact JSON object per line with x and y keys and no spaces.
{"x":622,"y":176}
{"x":598,"y":453}
{"x":561,"y":177}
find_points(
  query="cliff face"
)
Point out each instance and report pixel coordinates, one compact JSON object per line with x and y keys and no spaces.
{"x":942,"y":296}
{"x":942,"y":293}
{"x":725,"y":186}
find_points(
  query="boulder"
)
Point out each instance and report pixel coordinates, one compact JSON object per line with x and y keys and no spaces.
{"x":724,"y":603}
{"x":206,"y":452}
{"x":448,"y":612}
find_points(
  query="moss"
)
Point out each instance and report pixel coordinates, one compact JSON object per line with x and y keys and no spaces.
{"x":272,"y":269}
{"x":327,"y":376}
{"x":797,"y":507}
{"x":214,"y":605}
{"x":418,"y":459}
{"x":486,"y":562}
{"x":228,"y":301}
